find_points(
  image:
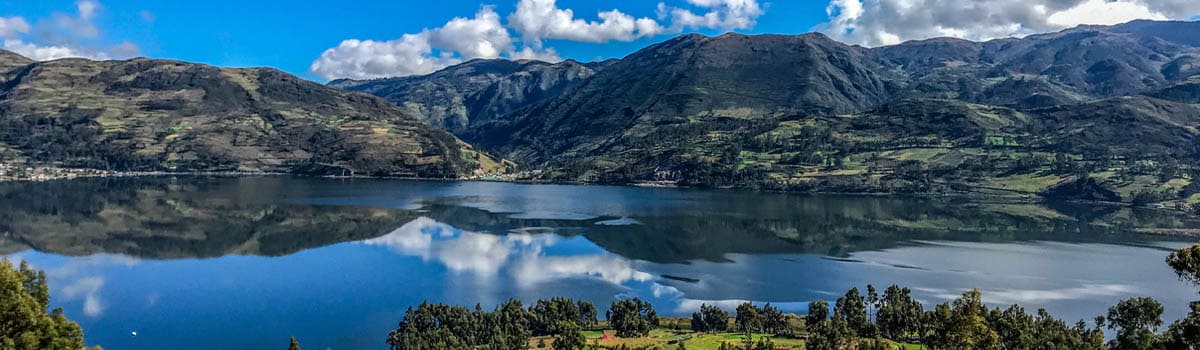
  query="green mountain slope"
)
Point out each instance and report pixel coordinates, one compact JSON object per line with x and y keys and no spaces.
{"x":146,"y":114}
{"x":1107,"y":106}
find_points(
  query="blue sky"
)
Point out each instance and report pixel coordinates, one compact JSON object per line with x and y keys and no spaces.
{"x":367,"y":38}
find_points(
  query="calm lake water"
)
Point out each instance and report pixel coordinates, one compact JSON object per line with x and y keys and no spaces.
{"x":245,"y":263}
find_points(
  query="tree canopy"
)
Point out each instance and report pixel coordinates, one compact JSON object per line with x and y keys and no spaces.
{"x":24,"y":322}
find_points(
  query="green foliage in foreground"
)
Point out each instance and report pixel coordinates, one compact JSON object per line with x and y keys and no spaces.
{"x":857,"y":321}
{"x":24,"y":322}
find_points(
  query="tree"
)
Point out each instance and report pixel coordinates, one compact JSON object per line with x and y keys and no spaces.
{"x":439,"y":326}
{"x":872,"y":303}
{"x":854,"y":309}
{"x":1186,"y":263}
{"x":748,"y":318}
{"x":698,"y":324}
{"x":829,"y":334}
{"x":295,"y":345}
{"x":431,"y":326}
{"x":632,"y":318}
{"x":773,"y":320}
{"x":548,"y":313}
{"x":899,"y":314}
{"x":1185,"y":333}
{"x":507,"y":326}
{"x":818,"y":311}
{"x":1136,"y":321}
{"x":967,"y":329}
{"x":587,"y":314}
{"x":1014,"y":327}
{"x":935,"y":324}
{"x":24,"y":322}
{"x":710,"y":318}
{"x":567,"y":336}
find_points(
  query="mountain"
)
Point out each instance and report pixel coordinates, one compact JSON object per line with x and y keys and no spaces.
{"x":691,"y":78}
{"x":10,"y":60}
{"x":160,"y":115}
{"x":1108,"y":106}
{"x":477,"y":91}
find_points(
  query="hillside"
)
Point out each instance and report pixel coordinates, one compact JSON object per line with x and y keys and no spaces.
{"x":471,"y":93}
{"x":159,"y":115}
{"x":1109,"y":106}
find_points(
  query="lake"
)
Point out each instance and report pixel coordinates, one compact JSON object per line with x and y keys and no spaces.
{"x":245,"y":263}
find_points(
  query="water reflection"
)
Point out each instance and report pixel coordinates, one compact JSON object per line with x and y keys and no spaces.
{"x":261,"y":259}
{"x":529,"y":259}
{"x":165,"y":218}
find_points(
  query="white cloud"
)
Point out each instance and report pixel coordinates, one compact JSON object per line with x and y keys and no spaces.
{"x":64,"y":25}
{"x":1103,"y":12}
{"x":46,"y":53}
{"x":11,"y":26}
{"x":460,"y":39}
{"x":528,"y":53}
{"x":885,"y":22}
{"x":62,"y":35}
{"x":722,"y":14}
{"x":536,"y":20}
{"x":364,"y":59}
{"x":482,"y":36}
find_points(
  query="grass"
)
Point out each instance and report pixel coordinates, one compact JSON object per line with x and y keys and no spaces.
{"x":181,"y":126}
{"x":713,"y":341}
{"x":921,"y":154}
{"x":1139,"y":183}
{"x":661,"y":339}
{"x":1028,"y":183}
{"x":1000,"y":140}
{"x":1174,"y":184}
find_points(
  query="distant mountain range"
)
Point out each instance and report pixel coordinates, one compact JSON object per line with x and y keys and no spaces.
{"x":1108,"y":111}
{"x":1093,"y":112}
{"x":159,"y":115}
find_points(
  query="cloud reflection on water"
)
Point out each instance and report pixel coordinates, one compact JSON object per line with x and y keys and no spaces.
{"x":81,"y":279}
{"x":523,"y":257}
{"x":532,"y":258}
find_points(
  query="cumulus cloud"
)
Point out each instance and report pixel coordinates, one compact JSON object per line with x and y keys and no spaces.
{"x":548,"y":54}
{"x":11,"y":26}
{"x":885,"y":22}
{"x":536,"y":20}
{"x":721,"y":14}
{"x":460,"y":39}
{"x":62,"y":35}
{"x":533,"y":22}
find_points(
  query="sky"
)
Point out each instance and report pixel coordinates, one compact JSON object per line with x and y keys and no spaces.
{"x":324,"y":40}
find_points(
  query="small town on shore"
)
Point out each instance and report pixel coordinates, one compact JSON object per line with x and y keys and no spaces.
{"x":21,"y":172}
